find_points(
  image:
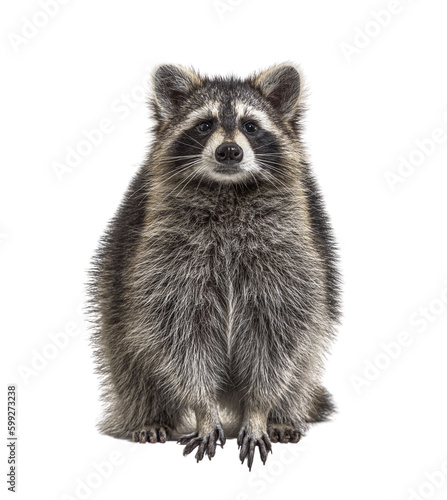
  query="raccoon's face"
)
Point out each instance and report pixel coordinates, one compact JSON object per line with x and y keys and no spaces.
{"x":226,"y":130}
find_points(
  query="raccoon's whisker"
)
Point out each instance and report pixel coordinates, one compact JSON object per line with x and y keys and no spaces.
{"x":234,"y":189}
{"x":171,"y":192}
{"x":254,"y":178}
{"x":201,"y":178}
{"x":263,"y":145}
{"x":242,"y":181}
{"x":190,"y":145}
{"x":164,"y":181}
{"x":267,"y":161}
{"x":281,"y":175}
{"x":275,"y":183}
{"x":218,"y":194}
{"x":179,"y":156}
{"x":266,"y":177}
{"x":275,"y":169}
{"x":144,"y":185}
{"x":279,"y":182}
{"x":273,"y":162}
{"x":184,"y":167}
{"x":170,"y":158}
{"x":273,"y":180}
{"x":185,"y":180}
{"x":168,"y":175}
{"x":179,"y":169}
{"x":190,"y":177}
{"x":195,"y":140}
{"x":269,"y":154}
{"x":272,"y":167}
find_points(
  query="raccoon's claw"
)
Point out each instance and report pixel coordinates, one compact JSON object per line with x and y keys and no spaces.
{"x":281,"y":433}
{"x":247,"y":442}
{"x":206,"y":443}
{"x":152,"y":434}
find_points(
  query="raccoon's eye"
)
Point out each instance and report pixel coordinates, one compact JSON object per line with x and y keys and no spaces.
{"x":250,"y":127}
{"x":204,"y":127}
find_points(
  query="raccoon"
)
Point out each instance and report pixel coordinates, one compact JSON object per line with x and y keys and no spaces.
{"x":215,"y":288}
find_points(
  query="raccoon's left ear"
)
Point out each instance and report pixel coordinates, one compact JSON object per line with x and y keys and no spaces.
{"x":282,"y":86}
{"x":172,"y":85}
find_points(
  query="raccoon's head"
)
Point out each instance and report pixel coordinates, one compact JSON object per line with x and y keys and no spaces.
{"x":226,"y":130}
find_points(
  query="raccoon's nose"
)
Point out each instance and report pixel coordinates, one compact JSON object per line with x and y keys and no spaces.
{"x":229,"y":153}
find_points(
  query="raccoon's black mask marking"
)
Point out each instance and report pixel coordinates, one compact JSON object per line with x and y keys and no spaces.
{"x":190,"y":144}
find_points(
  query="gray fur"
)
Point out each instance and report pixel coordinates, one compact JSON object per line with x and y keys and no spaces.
{"x":215,"y":302}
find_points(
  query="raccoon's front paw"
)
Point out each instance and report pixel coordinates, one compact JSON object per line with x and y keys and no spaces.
{"x":206,"y":443}
{"x":152,"y":434}
{"x":283,"y":433}
{"x":247,"y":441}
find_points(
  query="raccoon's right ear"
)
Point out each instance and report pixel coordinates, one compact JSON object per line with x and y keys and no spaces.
{"x":172,"y":85}
{"x":282,"y":86}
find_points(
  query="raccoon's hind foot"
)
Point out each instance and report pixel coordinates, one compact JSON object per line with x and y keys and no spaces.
{"x":152,"y":434}
{"x":206,"y":443}
{"x":283,"y":433}
{"x":247,"y":441}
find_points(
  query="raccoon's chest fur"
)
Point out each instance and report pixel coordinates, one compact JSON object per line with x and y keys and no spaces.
{"x":210,"y":244}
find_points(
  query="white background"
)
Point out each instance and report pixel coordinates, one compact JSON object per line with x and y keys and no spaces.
{"x":366,"y":113}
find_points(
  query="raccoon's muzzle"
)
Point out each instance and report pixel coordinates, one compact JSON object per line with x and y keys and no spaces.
{"x":229,"y":153}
